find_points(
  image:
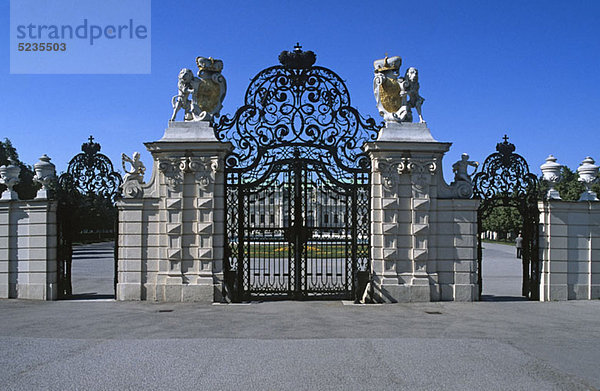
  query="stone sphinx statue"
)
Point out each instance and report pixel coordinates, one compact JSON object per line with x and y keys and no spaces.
{"x":207,"y":91}
{"x":396,"y":96}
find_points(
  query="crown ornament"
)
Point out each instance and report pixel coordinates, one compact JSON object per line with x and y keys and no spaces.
{"x":90,"y":148}
{"x":209,"y":64}
{"x":388,"y":64}
{"x":298,"y":59}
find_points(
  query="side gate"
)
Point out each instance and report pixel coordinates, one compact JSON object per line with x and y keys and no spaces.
{"x":505,"y":181}
{"x":86,"y":208}
{"x":297,"y":186}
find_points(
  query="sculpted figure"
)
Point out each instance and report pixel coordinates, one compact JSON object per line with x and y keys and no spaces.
{"x":207,"y":91}
{"x":460,"y":168}
{"x":411,"y":79}
{"x":137,"y":170}
{"x":181,"y":100}
{"x":392,"y":92}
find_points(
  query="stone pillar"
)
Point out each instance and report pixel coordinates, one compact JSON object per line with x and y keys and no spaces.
{"x":180,"y":257}
{"x":28,"y":242}
{"x":407,"y":182}
{"x":569,"y":250}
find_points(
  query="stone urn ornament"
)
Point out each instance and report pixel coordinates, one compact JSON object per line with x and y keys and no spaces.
{"x":588,"y":175}
{"x":9,"y":176}
{"x":45,"y":174}
{"x":551,"y":174}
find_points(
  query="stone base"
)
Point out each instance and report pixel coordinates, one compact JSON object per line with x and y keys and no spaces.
{"x":588,"y":195}
{"x":553,"y":195}
{"x":389,"y":293}
{"x":29,"y":291}
{"x":130,"y":291}
{"x":43,"y":194}
{"x":184,"y":293}
{"x":8,"y":195}
{"x":595,"y":292}
{"x":406,"y":131}
{"x":467,"y":292}
{"x":200,"y":131}
{"x":394,"y":293}
{"x":37,"y":291}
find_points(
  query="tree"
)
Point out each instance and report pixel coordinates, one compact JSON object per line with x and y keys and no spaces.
{"x":26,"y":188}
{"x":504,"y":219}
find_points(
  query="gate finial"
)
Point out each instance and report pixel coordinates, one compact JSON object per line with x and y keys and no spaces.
{"x":90,"y":148}
{"x":298,"y":59}
{"x":505,"y":148}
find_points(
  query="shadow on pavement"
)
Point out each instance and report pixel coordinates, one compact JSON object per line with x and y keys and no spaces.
{"x":89,"y":296}
{"x":92,"y":254}
{"x":502,"y":298}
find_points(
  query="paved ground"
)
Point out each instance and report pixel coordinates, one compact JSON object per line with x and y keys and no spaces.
{"x":106,"y":345}
{"x":502,"y":273}
{"x":92,"y":271}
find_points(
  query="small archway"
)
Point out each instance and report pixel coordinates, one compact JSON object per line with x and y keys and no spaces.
{"x":505,"y":181}
{"x":88,"y":224}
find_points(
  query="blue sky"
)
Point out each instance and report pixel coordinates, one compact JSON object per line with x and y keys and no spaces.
{"x":529,"y":69}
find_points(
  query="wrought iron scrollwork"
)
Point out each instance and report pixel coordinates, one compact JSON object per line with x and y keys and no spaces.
{"x":86,"y":210}
{"x":297,"y":185}
{"x":505,"y":174}
{"x":91,"y":172}
{"x":505,"y":181}
{"x":296,"y":107}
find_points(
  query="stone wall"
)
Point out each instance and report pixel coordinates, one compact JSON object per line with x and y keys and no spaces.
{"x":570,"y":250}
{"x":28,"y":244}
{"x":455,"y":238}
{"x":423,"y":242}
{"x":171,"y":230}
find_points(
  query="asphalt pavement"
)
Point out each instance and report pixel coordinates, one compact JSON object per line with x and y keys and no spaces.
{"x":92,"y":271}
{"x":493,"y":345}
{"x":502,"y":273}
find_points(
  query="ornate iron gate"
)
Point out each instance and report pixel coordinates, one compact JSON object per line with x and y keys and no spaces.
{"x":297,"y":185}
{"x":86,"y":209}
{"x":505,"y":181}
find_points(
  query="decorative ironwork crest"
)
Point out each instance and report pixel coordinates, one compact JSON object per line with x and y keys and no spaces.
{"x":91,"y":172}
{"x":505,"y":175}
{"x":292,"y":108}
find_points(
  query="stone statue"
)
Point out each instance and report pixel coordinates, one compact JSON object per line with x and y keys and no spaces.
{"x":181,"y":100}
{"x":411,"y":78}
{"x":134,"y":177}
{"x":207,"y":91}
{"x":395,"y":95}
{"x":460,"y":168}
{"x":137,"y":170}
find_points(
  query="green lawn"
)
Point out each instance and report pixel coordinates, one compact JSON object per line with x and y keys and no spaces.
{"x":313,"y":250}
